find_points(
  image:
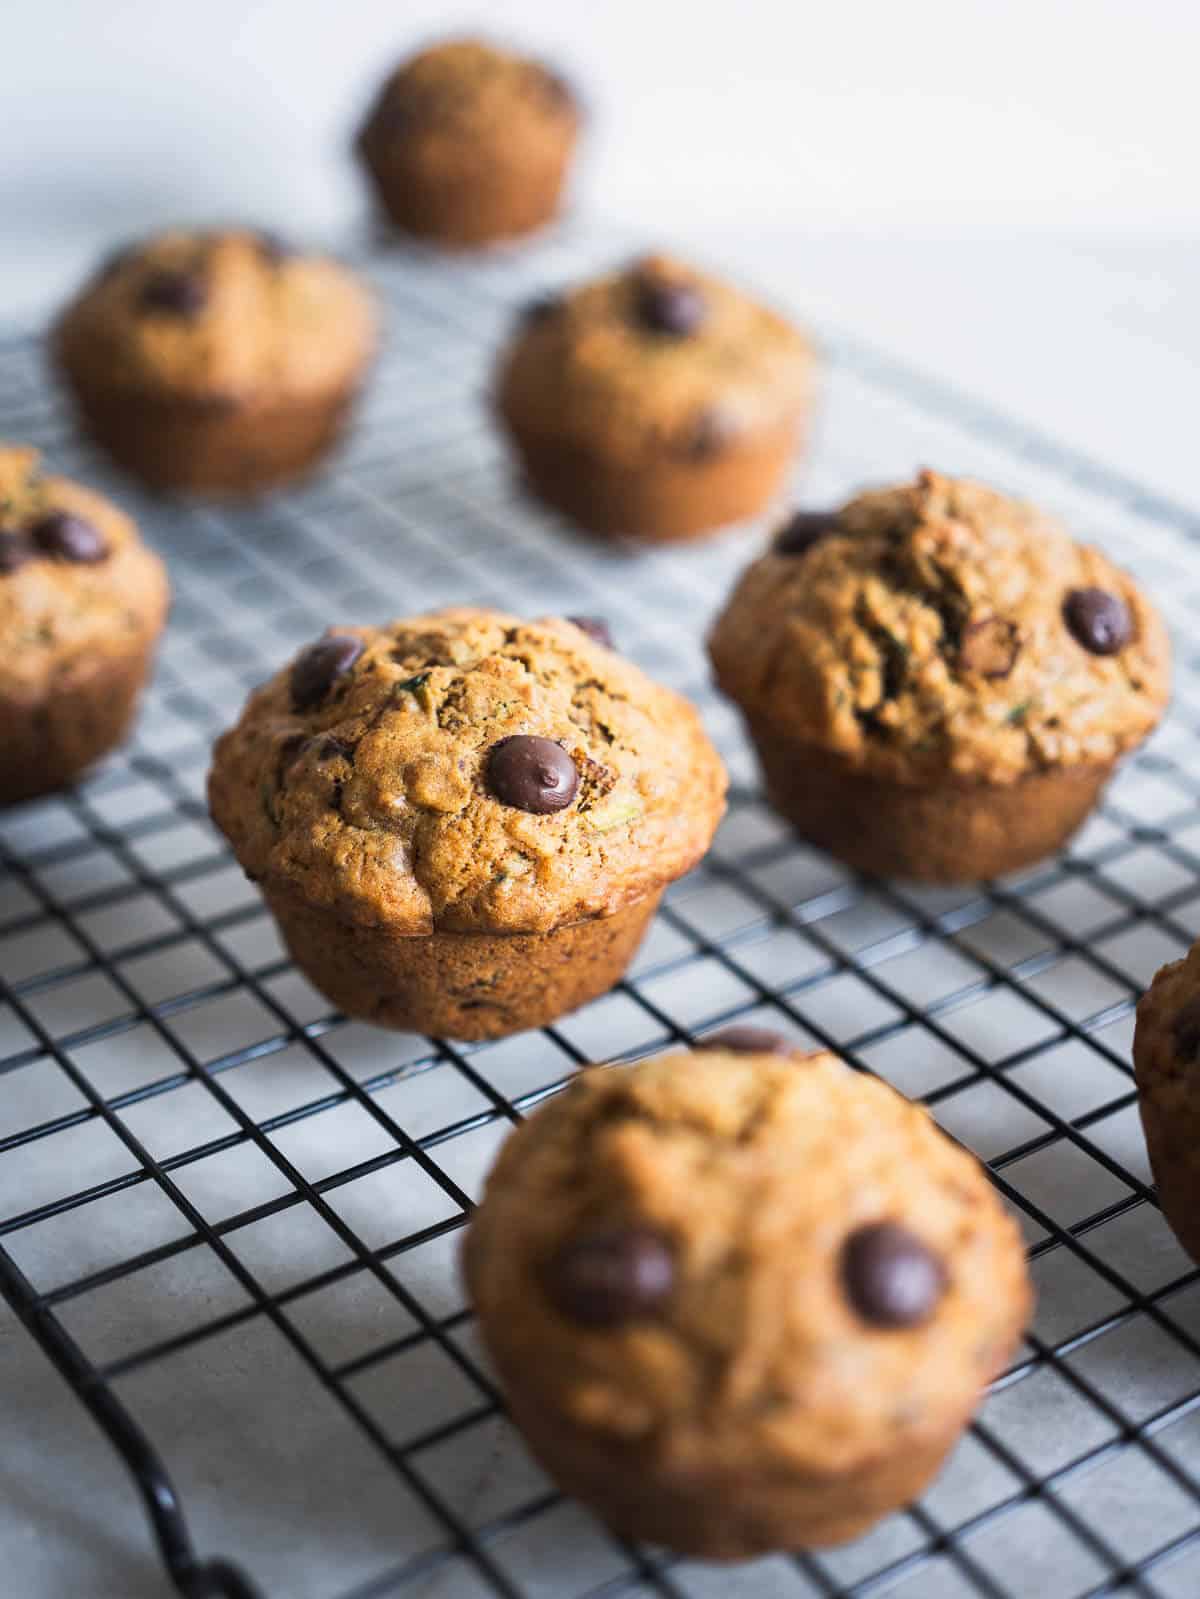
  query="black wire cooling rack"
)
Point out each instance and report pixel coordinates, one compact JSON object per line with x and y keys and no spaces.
{"x":230,"y":1217}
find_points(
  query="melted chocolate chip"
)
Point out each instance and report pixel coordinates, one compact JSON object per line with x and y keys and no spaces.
{"x":15,"y":550}
{"x":273,"y":248}
{"x":664,"y":306}
{"x":532,"y":774}
{"x":1186,"y":1030}
{"x":113,"y":262}
{"x":66,"y":537}
{"x":804,"y":529}
{"x":595,"y":627}
{"x":315,"y":669}
{"x":989,"y":647}
{"x":557,"y":89}
{"x":540,"y":309}
{"x":611,"y":1276}
{"x":745,"y":1040}
{"x":1098,"y":620}
{"x":707,"y":436}
{"x":180,"y":294}
{"x":327,"y":748}
{"x":392,"y":117}
{"x":890,"y":1277}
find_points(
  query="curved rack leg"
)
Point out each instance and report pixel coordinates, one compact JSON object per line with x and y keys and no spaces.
{"x":193,"y":1578}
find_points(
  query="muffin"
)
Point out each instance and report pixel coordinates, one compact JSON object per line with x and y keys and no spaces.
{"x":655,"y":402}
{"x":463,"y":822}
{"x":216,"y":363}
{"x":1166,"y":1063}
{"x":939,"y":681}
{"x":82,"y":603}
{"x":466,"y":144}
{"x":739,"y":1300}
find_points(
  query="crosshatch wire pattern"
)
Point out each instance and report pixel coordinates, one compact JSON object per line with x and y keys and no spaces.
{"x":233,"y":1215}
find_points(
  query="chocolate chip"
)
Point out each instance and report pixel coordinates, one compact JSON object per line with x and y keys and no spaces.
{"x":707,"y":436}
{"x":1186,"y":1030}
{"x":66,"y":537}
{"x":1098,"y":620}
{"x":744,"y":1040}
{"x":611,"y":1276}
{"x":891,"y":1278}
{"x":273,"y":248}
{"x":15,"y":550}
{"x":176,"y":293}
{"x":804,"y":529}
{"x":540,"y":309}
{"x":113,"y":262}
{"x":327,"y":748}
{"x":667,"y":306}
{"x":989,"y":647}
{"x":557,"y":89}
{"x":315,"y":668}
{"x":392,"y":117}
{"x":532,"y":774}
{"x":595,"y":627}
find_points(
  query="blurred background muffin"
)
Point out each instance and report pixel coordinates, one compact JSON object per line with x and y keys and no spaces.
{"x":657,"y":401}
{"x":221,"y":363}
{"x":467,"y":143}
{"x":82,"y":604}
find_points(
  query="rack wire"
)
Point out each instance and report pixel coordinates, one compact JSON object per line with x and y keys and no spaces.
{"x":230,"y":1217}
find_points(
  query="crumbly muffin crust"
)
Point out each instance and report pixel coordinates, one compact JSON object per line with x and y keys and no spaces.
{"x":212,"y":317}
{"x":59,"y":617}
{"x":467,"y":142}
{"x":463,"y":94}
{"x":374,"y":800}
{"x":589,"y":370}
{"x":754,"y":1366}
{"x":922,"y":633}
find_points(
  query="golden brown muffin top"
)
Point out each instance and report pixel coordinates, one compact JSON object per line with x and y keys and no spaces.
{"x":939,"y":626}
{"x":219,"y":317}
{"x":463,"y":95}
{"x":466,"y":771}
{"x":656,"y":357}
{"x":746,"y":1256}
{"x":76,"y":581}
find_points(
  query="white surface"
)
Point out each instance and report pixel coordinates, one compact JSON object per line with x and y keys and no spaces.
{"x":810,"y":146}
{"x":1092,"y":340}
{"x":932,"y":116}
{"x":272,"y":1471}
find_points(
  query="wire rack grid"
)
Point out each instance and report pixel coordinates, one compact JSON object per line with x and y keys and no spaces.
{"x":230,"y":1217}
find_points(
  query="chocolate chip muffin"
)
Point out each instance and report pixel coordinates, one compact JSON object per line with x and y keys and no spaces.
{"x":216,"y":363}
{"x":82,"y":603}
{"x":938,"y":679}
{"x":1166,"y":1061}
{"x":463,"y":822}
{"x":741,"y":1300}
{"x":466,"y":143}
{"x":656,"y":402}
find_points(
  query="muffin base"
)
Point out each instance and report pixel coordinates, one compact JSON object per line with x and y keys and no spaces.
{"x":731,"y":1512}
{"x":47,"y":745}
{"x":958,"y":831}
{"x":460,"y":985}
{"x":665,"y":500}
{"x":216,"y":449}
{"x":469,"y":210}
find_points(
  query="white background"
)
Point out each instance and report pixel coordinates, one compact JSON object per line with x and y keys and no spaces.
{"x":1002,"y":191}
{"x":929,"y":117}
